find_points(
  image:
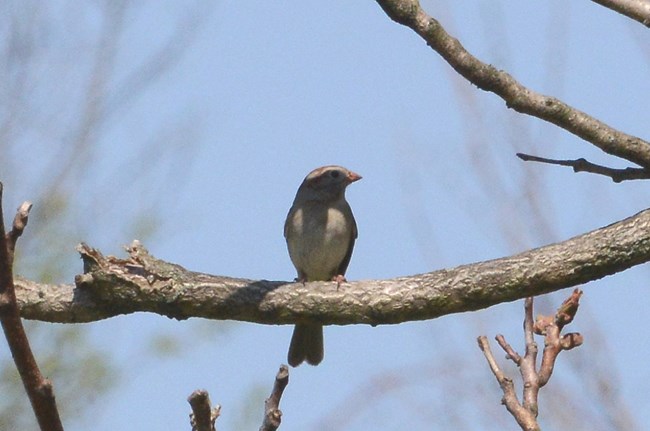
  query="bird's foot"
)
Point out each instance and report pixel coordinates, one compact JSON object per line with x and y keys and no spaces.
{"x":302,"y":280}
{"x":339,"y":279}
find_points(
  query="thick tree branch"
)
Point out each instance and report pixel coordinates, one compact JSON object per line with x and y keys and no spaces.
{"x":638,"y":10}
{"x":39,"y":389}
{"x":113,"y":286}
{"x":516,"y":96}
{"x":582,"y":165}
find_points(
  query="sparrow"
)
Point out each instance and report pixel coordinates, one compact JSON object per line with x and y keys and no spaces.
{"x":320,"y":231}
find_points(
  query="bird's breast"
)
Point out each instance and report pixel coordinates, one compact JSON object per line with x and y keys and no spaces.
{"x":318,"y":238}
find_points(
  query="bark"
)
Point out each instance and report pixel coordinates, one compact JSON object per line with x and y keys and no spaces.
{"x":112,"y":286}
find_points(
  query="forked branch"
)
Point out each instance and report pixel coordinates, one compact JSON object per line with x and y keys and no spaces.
{"x":525,"y":412}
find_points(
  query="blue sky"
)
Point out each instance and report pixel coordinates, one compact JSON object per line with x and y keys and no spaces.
{"x":267,"y":92}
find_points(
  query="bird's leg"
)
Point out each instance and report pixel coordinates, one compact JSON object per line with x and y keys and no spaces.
{"x":340,"y":278}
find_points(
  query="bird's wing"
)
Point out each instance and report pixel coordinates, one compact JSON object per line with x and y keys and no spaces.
{"x":353,"y":236}
{"x":287,"y":221}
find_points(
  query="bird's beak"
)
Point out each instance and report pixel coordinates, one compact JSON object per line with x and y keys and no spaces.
{"x":352,"y":177}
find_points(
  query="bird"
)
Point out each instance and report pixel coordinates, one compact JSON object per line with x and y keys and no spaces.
{"x":320,"y":231}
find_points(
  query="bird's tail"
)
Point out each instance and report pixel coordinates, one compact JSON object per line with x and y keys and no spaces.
{"x":306,"y":344}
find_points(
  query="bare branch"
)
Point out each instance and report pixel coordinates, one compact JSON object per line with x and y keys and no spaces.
{"x":510,"y":352}
{"x":20,"y":221}
{"x":567,"y":311}
{"x":39,"y":390}
{"x":528,"y":367}
{"x":516,"y":96}
{"x":524,"y":418}
{"x":113,"y":286}
{"x":638,"y":10}
{"x":533,"y":380}
{"x":272,"y":413}
{"x":553,"y":343}
{"x":582,"y":165}
{"x":203,"y":417}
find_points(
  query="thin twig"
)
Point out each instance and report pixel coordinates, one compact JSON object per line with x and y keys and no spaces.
{"x":20,"y":221}
{"x":39,"y":390}
{"x":203,"y":416}
{"x":582,"y":165}
{"x":272,"y":413}
{"x":510,"y":352}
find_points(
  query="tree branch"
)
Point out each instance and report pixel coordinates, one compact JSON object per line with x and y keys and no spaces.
{"x":582,"y":165}
{"x":39,"y":390}
{"x":525,"y":413}
{"x":203,"y":417}
{"x":528,"y":365}
{"x":638,"y":10}
{"x":524,"y":418}
{"x":20,"y":221}
{"x":551,"y":327}
{"x":516,"y":96}
{"x":510,"y":352}
{"x":272,"y":413}
{"x":112,"y":286}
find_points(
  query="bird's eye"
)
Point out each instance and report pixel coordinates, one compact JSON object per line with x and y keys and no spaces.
{"x":334,"y":174}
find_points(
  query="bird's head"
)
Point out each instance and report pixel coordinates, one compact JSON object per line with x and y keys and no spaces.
{"x":327,"y":183}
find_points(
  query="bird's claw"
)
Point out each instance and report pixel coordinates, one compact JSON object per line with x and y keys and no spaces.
{"x":339,"y":279}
